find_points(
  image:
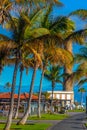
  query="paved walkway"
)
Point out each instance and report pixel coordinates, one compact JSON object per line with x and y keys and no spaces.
{"x":75,"y":122}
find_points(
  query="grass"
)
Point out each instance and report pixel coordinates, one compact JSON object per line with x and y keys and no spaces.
{"x":85,"y":125}
{"x":35,"y":126}
{"x":76,"y":110}
{"x":49,"y":117}
{"x":3,"y":117}
{"x":44,"y":117}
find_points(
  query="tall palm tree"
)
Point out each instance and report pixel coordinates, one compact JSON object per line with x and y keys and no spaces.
{"x":82,"y":90}
{"x":20,"y":34}
{"x":79,"y":37}
{"x":64,"y":30}
{"x":36,"y":63}
{"x":53,"y":74}
{"x":53,"y":52}
{"x":81,"y":60}
{"x":52,"y":55}
{"x":19,"y":91}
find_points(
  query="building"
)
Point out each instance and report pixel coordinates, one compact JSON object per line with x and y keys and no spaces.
{"x":6,"y":97}
{"x":65,"y":97}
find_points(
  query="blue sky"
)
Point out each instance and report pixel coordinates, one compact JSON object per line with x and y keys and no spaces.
{"x":69,"y":6}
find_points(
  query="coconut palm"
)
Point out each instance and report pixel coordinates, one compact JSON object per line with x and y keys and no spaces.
{"x":36,"y":63}
{"x":78,"y":37}
{"x":51,"y":43}
{"x":25,"y":64}
{"x":19,"y":91}
{"x":55,"y":51}
{"x":17,"y":27}
{"x":81,"y":71}
{"x":52,"y":56}
{"x":82,"y":90}
{"x":53,"y":74}
{"x":66,"y":36}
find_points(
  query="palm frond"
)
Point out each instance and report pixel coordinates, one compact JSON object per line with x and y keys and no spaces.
{"x":79,"y":58}
{"x":26,"y":18}
{"x":78,"y":36}
{"x":82,"y":81}
{"x":61,"y":24}
{"x":3,"y":37}
{"x":82,"y":13}
{"x":35,"y":33}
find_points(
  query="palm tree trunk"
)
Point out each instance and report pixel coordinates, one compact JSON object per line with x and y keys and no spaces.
{"x":68,"y":84}
{"x":52,"y":97}
{"x":9,"y":120}
{"x":19,"y":91}
{"x":39,"y":96}
{"x":24,"y":118}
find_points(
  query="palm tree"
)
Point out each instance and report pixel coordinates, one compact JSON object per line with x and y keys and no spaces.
{"x":20,"y":34}
{"x":19,"y":91}
{"x":53,"y":74}
{"x":36,"y":63}
{"x":81,"y":60}
{"x":51,"y":52}
{"x":78,"y":37}
{"x":55,"y":51}
{"x":62,"y":30}
{"x":81,"y":90}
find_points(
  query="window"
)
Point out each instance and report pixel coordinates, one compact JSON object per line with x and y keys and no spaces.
{"x":63,"y":96}
{"x":68,"y":96}
{"x":58,"y":96}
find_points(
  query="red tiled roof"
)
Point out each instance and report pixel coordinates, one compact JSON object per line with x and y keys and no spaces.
{"x":22,"y":96}
{"x":26,"y":95}
{"x":7,"y":95}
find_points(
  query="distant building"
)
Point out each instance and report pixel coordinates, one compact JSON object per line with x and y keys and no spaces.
{"x":66,"y":97}
{"x":6,"y":97}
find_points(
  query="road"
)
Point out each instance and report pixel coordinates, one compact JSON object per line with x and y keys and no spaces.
{"x":75,"y":122}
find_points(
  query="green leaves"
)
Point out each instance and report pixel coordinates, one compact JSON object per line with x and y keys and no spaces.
{"x":35,"y":33}
{"x":53,"y":74}
{"x":62,"y":24}
{"x":82,"y":89}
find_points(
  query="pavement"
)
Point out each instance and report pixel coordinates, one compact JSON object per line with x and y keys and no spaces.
{"x":74,"y":122}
